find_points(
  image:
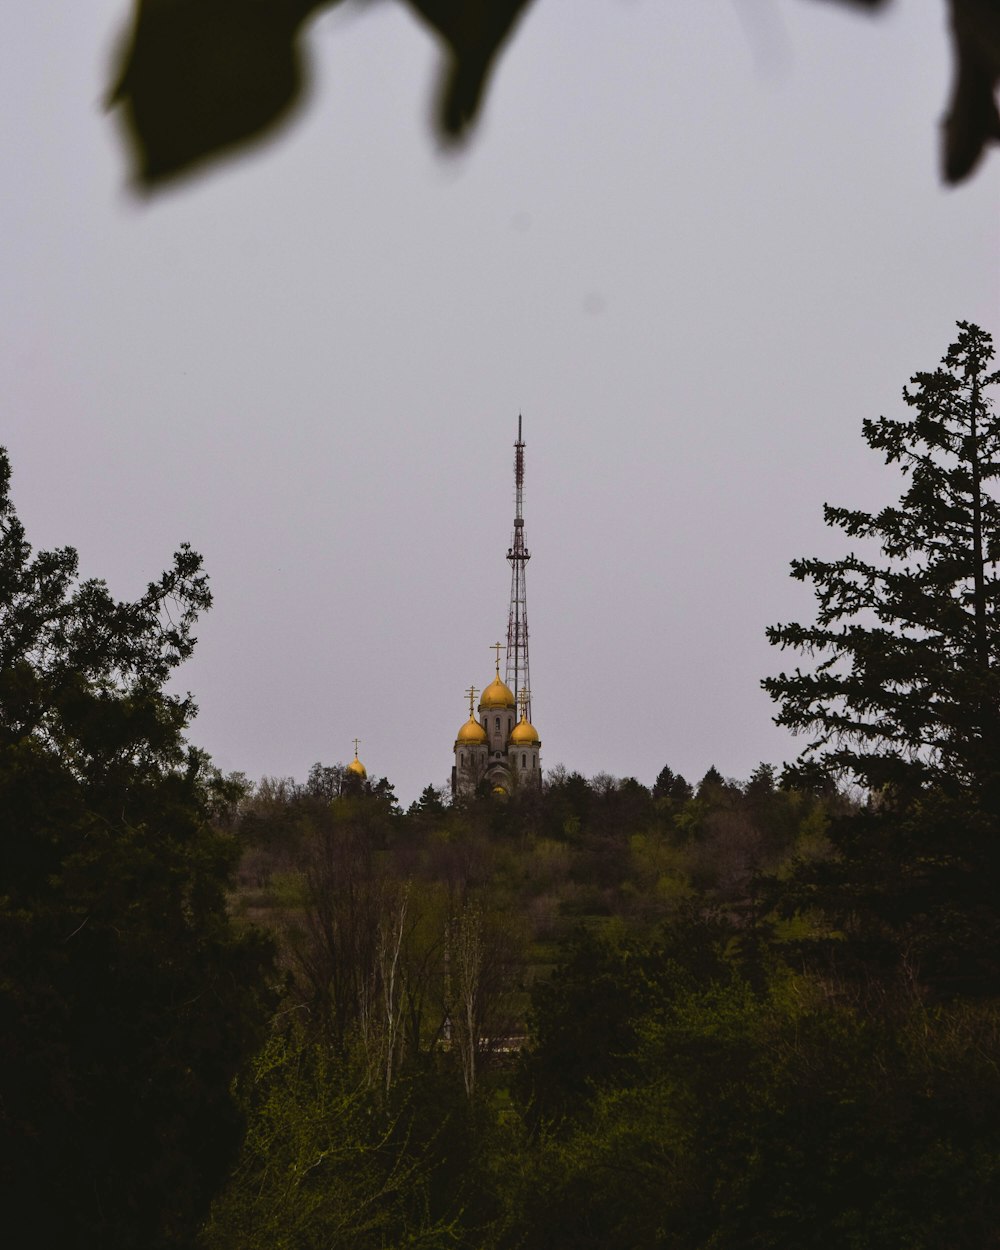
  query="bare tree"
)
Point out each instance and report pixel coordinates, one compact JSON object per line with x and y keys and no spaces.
{"x":335,"y":935}
{"x":483,"y":963}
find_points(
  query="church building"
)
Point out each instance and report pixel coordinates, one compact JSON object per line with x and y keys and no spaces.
{"x":501,"y":750}
{"x":493,"y":748}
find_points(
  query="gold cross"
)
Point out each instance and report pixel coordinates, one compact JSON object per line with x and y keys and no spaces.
{"x":522,"y":698}
{"x":356,"y":741}
{"x":471,"y":692}
{"x":497,"y":647}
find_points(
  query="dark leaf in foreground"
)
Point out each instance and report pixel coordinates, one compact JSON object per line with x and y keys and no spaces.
{"x":474,"y":31}
{"x":972,"y":120}
{"x":201,"y":77}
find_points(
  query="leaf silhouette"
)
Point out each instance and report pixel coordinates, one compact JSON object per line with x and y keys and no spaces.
{"x":474,"y":31}
{"x":972,"y":120}
{"x":200,"y":77}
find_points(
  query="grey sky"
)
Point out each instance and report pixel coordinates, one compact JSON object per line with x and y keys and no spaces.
{"x":694,"y":243}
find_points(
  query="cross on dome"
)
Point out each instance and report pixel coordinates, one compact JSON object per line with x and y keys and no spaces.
{"x":355,"y":767}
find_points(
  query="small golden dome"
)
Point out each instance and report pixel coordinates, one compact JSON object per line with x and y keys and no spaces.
{"x":356,"y":768}
{"x":472,"y":733}
{"x":496,"y":694}
{"x":524,"y":734}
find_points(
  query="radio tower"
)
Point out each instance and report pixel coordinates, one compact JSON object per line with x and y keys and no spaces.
{"x":517,"y":623}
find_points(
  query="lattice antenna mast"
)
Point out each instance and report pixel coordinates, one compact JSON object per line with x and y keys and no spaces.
{"x":517,"y":677}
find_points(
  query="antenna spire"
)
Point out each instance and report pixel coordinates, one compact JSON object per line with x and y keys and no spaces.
{"x":518,"y":557}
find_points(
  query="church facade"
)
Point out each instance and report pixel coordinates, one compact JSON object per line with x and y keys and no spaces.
{"x":499,"y":752}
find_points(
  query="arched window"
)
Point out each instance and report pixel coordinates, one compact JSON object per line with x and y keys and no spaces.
{"x":510,"y":724}
{"x":534,"y":760}
{"x":461,"y":758}
{"x":524,"y":761}
{"x":498,"y":724}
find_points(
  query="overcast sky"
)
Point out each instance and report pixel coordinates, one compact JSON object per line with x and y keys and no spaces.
{"x":695,"y":243}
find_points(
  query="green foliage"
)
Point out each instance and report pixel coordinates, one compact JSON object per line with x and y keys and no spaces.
{"x":603,"y":852}
{"x":331,"y":1162}
{"x":127,"y":1001}
{"x":585,"y":1017}
{"x":910,"y":889}
{"x":775,"y":1119}
{"x":680,"y":1085}
{"x":409,"y":940}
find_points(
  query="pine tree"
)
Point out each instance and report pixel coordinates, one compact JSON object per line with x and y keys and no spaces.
{"x":905,"y":695}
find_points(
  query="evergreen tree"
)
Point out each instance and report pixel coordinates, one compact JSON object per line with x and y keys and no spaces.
{"x":906,"y":692}
{"x":905,"y":698}
{"x":671,"y":785}
{"x":711,"y":785}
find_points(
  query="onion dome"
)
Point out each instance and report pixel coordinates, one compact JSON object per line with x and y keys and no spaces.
{"x":497,"y":694}
{"x":471,"y":733}
{"x":524,"y":734}
{"x":356,"y":768}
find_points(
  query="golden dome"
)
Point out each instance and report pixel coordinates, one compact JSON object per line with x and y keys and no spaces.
{"x":496,"y":694}
{"x":471,"y":733}
{"x":524,"y":734}
{"x":356,"y":768}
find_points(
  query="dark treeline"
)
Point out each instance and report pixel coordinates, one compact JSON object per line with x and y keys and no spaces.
{"x":457,"y":980}
{"x":699,"y":1015}
{"x":602,"y":1015}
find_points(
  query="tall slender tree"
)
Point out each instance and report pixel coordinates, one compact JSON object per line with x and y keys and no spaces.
{"x":905,"y":695}
{"x":906,"y":690}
